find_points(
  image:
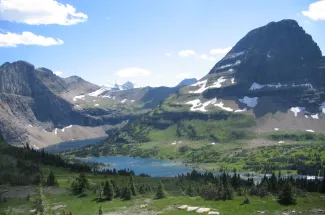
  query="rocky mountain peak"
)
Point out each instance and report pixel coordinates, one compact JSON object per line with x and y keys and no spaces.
{"x":277,"y":52}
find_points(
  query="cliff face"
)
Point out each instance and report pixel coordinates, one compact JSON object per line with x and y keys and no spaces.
{"x":35,"y":98}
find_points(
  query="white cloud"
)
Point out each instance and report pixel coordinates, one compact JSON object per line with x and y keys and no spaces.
{"x":186,"y":53}
{"x":38,"y":12}
{"x":26,"y":38}
{"x":58,"y":73}
{"x":133,"y":72}
{"x":220,"y":51}
{"x":316,"y":11}
{"x":168,"y":54}
{"x":204,"y":57}
{"x":211,"y":58}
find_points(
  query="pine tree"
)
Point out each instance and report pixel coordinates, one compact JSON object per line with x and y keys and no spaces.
{"x":100,"y":210}
{"x":38,"y":202}
{"x":108,"y":190}
{"x":117,"y":191}
{"x":286,"y":196}
{"x":322,"y":188}
{"x":161,"y":193}
{"x":190,"y":191}
{"x":80,"y":184}
{"x":127,"y":194}
{"x":99,"y":190}
{"x":132,"y":186}
{"x":50,"y":181}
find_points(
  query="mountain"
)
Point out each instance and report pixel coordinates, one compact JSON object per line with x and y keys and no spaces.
{"x":40,"y":108}
{"x":270,"y":83}
{"x":186,"y":82}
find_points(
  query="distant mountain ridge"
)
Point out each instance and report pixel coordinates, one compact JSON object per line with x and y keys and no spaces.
{"x":40,"y":108}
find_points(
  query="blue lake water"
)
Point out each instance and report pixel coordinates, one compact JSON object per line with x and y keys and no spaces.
{"x":165,"y":168}
{"x":155,"y":168}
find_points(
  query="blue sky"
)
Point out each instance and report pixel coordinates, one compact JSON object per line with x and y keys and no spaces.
{"x":150,"y":42}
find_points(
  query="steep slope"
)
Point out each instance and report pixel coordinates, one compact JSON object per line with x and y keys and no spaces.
{"x":32,"y":108}
{"x":271,"y":81}
{"x":40,"y":108}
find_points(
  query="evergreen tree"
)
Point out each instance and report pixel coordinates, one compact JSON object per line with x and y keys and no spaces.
{"x":127,"y":194}
{"x":99,"y":190}
{"x":132,"y":186}
{"x":322,"y":188}
{"x":117,"y":191}
{"x":161,"y":193}
{"x":80,"y":184}
{"x":263,"y":189}
{"x":286,"y":196}
{"x":274,"y":183}
{"x":38,"y":202}
{"x":50,"y":181}
{"x":190,"y":191}
{"x":100,"y":210}
{"x":108,"y":190}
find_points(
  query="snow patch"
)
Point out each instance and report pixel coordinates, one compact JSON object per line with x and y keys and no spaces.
{"x":213,"y":213}
{"x":98,"y":92}
{"x":123,"y":101}
{"x":56,"y":131}
{"x":306,"y":116}
{"x":256,"y":86}
{"x":174,"y":143}
{"x":309,"y":130}
{"x":70,"y":126}
{"x":221,"y":105}
{"x":96,"y":105}
{"x":35,"y":147}
{"x":94,"y":100}
{"x":276,"y":129}
{"x":232,"y":80}
{"x":230,"y":65}
{"x":303,"y":85}
{"x":107,"y":96}
{"x":237,"y":54}
{"x":198,"y":106}
{"x":240,"y":110}
{"x":132,"y":101}
{"x":296,"y":110}
{"x":315,"y":116}
{"x":30,"y":125}
{"x":199,"y":83}
{"x":250,"y":102}
{"x":79,"y":97}
{"x":281,"y":141}
{"x":203,"y":84}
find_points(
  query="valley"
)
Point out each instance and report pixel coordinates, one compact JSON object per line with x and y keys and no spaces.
{"x":245,"y":138}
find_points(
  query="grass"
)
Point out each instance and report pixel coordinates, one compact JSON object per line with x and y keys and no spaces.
{"x":61,"y":196}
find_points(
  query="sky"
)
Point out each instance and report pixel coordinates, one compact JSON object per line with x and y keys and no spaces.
{"x":155,"y":43}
